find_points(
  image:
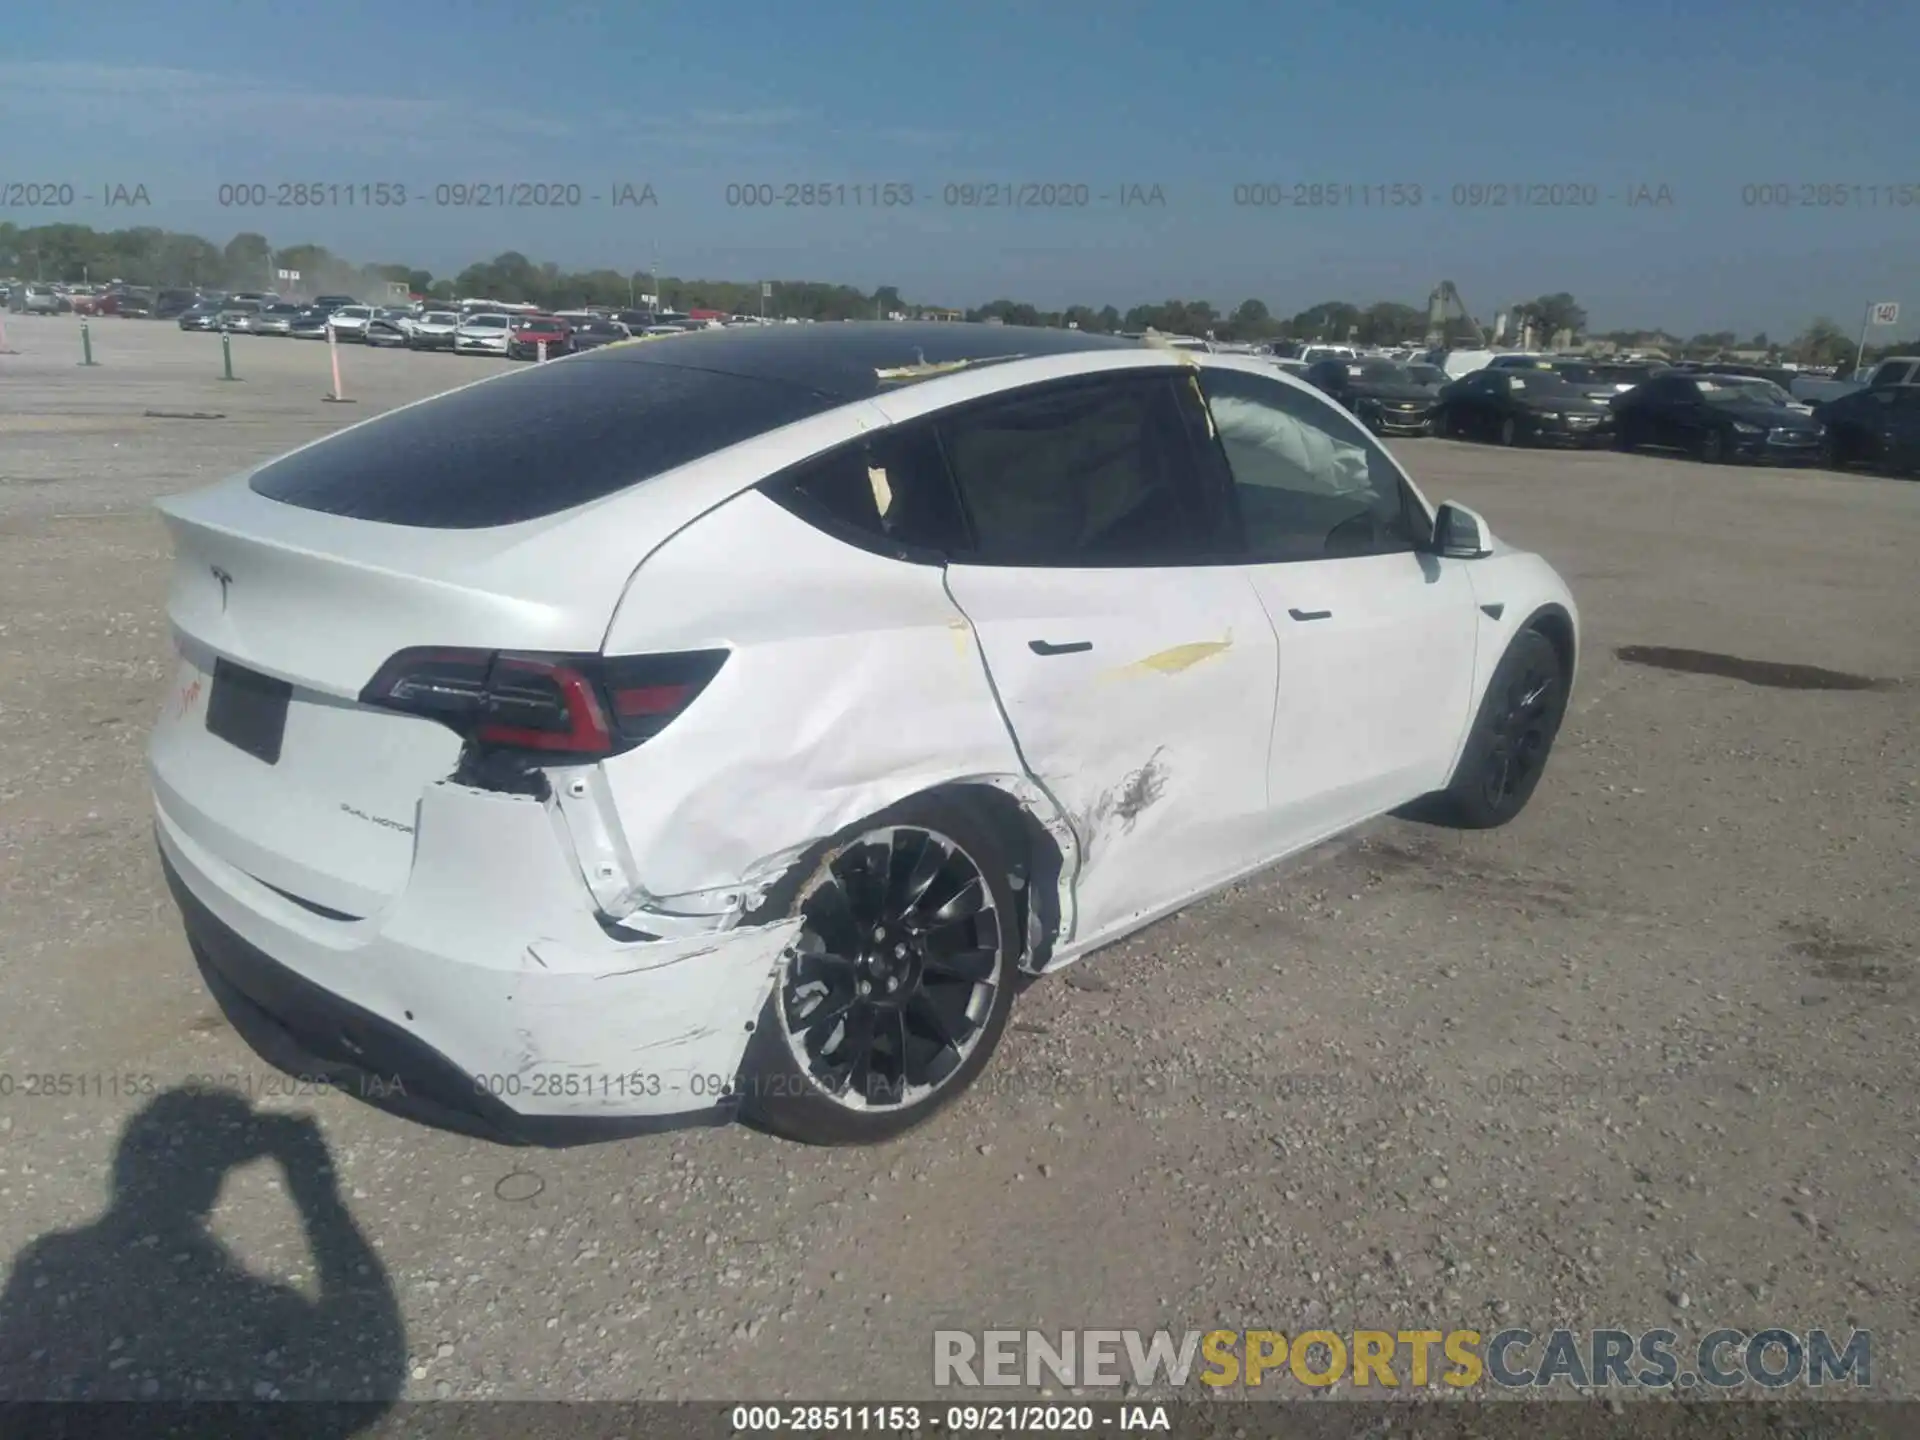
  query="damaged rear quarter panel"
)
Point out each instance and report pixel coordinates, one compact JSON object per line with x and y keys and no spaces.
{"x":853,"y":682}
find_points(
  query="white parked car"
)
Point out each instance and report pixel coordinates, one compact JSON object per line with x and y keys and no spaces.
{"x":732,"y":724}
{"x":483,"y":334}
{"x":433,"y":330}
{"x":350,"y":322}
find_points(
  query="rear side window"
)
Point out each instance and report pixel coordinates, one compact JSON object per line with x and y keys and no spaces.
{"x":533,"y":443}
{"x":888,"y":493}
{"x":1086,"y":475}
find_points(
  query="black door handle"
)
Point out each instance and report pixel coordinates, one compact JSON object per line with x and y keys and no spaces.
{"x":1311,"y":614}
{"x":1047,"y":647}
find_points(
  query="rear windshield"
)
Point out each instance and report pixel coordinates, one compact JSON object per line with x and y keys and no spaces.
{"x":533,"y":443}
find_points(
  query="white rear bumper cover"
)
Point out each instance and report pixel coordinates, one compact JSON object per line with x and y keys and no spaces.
{"x":492,"y":957}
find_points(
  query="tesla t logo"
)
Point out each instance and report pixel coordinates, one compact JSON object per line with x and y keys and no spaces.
{"x":226,"y":583}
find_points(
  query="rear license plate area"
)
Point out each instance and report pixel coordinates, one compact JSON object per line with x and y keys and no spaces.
{"x":248,"y":710}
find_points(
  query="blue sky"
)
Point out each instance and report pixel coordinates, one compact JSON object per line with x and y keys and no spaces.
{"x":1704,"y":98}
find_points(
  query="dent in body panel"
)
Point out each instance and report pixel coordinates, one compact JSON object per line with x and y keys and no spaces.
{"x":1121,"y":805}
{"x":852,"y":683}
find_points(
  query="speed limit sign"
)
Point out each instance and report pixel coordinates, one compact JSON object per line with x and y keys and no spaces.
{"x":1886,"y":312}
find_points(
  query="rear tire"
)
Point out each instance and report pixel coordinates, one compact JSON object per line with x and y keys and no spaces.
{"x":1509,"y":432}
{"x":895,"y":994}
{"x":1712,"y":449}
{"x":1512,"y":736}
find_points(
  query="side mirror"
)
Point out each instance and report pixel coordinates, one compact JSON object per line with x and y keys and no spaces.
{"x":1460,"y":533}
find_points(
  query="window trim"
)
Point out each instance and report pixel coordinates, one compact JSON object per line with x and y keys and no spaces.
{"x":1414,"y":514}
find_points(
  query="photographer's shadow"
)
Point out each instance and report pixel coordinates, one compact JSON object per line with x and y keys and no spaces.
{"x":146,"y":1303}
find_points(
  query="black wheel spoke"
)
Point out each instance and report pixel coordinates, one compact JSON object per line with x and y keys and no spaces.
{"x":925,"y":1011}
{"x":829,"y":1010}
{"x":858,"y":1048}
{"x":917,"y":878}
{"x":974,"y":965}
{"x":967,"y":901}
{"x":829,"y":913}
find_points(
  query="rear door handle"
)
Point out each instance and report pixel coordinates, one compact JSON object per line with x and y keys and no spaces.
{"x":1311,"y":614}
{"x":1047,"y":647}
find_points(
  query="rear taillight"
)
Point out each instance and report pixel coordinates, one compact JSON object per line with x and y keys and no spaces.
{"x":557,"y":705}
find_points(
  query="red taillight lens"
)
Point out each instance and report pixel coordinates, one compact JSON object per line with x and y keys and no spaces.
{"x":574,"y":705}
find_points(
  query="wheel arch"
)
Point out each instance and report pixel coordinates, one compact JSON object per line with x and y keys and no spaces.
{"x":1040,"y":853}
{"x":1554,"y":621}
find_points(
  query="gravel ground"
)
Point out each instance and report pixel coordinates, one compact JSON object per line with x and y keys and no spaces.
{"x":1645,"y":1057}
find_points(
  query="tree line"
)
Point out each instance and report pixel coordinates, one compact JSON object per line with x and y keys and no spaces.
{"x":146,"y":255}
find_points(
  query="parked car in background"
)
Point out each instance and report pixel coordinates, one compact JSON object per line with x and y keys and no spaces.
{"x":1776,"y":374}
{"x":482,"y":333}
{"x":590,"y":332}
{"x":1432,"y":377}
{"x":1715,"y":418}
{"x":172,"y":304}
{"x":1520,"y":360}
{"x":1894,"y":370}
{"x":237,"y":315}
{"x":529,"y":332}
{"x":1286,"y":364}
{"x":39,"y":299}
{"x":490,"y":706}
{"x":1518,"y":406}
{"x":1457,"y":363}
{"x":1604,"y":379}
{"x":433,"y":330}
{"x":201,"y":315}
{"x":350,"y":322}
{"x":331,"y":303}
{"x":1878,"y":426}
{"x":1768,"y":391}
{"x":386,"y":330}
{"x":1386,"y":398}
{"x":276,"y":319}
{"x":309,"y":324}
{"x":130,"y":302}
{"x":1816,"y":390}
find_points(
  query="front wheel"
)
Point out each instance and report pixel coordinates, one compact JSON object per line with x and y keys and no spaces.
{"x":896,"y":991}
{"x":1512,"y":736}
{"x":1509,"y":432}
{"x":1713,"y":448}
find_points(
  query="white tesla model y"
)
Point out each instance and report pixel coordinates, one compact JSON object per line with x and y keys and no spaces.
{"x":677,"y":731}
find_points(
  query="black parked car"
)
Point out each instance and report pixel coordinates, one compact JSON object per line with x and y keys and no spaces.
{"x":1717,"y":417}
{"x":1521,"y":406}
{"x":592,"y":334}
{"x":1602,"y":379}
{"x":309,"y":324}
{"x":1878,"y":427}
{"x":1386,"y":397}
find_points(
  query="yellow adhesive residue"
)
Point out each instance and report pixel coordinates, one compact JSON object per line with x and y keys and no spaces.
{"x":959,"y":629}
{"x":1180,"y":657}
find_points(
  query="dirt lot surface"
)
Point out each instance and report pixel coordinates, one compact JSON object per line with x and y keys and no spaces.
{"x":1646,"y":1057}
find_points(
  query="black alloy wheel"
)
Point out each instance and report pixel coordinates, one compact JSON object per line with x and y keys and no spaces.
{"x":1506,"y":752}
{"x":1521,"y":730}
{"x":897,"y":988}
{"x":895,"y":971}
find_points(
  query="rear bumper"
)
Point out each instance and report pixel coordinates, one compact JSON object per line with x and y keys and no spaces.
{"x":486,"y":998}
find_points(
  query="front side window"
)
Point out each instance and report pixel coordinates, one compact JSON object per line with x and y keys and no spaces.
{"x":1309,"y":483}
{"x":1080,"y":475}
